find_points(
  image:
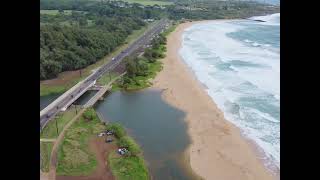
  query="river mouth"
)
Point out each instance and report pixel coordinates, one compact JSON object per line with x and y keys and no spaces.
{"x":158,"y":127}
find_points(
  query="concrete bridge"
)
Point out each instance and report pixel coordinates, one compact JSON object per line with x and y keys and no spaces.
{"x":95,"y":87}
{"x":101,"y":92}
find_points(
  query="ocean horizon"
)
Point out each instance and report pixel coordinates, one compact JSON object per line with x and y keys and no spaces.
{"x":238,"y":61}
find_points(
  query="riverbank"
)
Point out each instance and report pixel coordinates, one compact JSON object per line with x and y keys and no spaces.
{"x":84,"y":155}
{"x":217,"y":151}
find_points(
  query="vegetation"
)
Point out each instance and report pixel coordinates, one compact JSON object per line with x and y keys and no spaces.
{"x":45,"y":149}
{"x":46,"y":89}
{"x":64,"y":48}
{"x":71,"y":41}
{"x":150,"y":2}
{"x":76,"y":34}
{"x":56,"y":12}
{"x":140,"y":70}
{"x":128,"y":168}
{"x":89,"y":114}
{"x":50,"y":131}
{"x":128,"y":143}
{"x":117,"y":129}
{"x":74,"y":156}
{"x":206,"y":9}
{"x":106,"y":78}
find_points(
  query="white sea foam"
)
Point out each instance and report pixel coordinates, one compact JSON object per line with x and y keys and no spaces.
{"x":272,"y":19}
{"x":256,"y":44}
{"x":243,"y":80}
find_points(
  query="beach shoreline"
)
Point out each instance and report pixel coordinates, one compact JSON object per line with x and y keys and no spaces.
{"x":218,"y":150}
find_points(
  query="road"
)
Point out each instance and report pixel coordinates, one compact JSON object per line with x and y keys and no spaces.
{"x":68,"y":97}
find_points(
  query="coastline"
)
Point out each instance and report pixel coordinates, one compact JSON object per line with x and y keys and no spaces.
{"x":218,"y":150}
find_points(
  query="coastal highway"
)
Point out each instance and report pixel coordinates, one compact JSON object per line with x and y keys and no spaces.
{"x":76,"y":91}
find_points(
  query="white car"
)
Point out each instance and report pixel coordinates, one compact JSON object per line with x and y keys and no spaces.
{"x":112,"y":59}
{"x":101,"y":134}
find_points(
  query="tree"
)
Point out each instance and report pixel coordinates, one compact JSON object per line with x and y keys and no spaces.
{"x":131,"y":67}
{"x":83,"y":22}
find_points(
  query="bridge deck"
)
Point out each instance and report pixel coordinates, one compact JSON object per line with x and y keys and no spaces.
{"x":97,"y":96}
{"x":101,"y":92}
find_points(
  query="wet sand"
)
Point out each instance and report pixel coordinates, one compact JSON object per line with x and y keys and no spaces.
{"x":218,"y":150}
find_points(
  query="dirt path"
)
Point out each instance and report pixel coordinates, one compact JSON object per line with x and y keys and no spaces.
{"x":97,"y":145}
{"x":47,"y":140}
{"x":101,"y":151}
{"x":43,"y":176}
{"x":53,"y":159}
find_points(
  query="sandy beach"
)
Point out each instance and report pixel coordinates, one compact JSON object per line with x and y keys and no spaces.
{"x":218,"y":151}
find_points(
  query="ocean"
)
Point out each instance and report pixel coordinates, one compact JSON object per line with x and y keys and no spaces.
{"x":238,"y":62}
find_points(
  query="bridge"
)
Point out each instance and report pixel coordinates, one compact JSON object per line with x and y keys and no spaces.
{"x":101,"y":92}
{"x":67,"y":98}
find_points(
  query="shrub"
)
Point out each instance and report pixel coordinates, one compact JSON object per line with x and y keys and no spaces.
{"x":118,"y":130}
{"x":130,"y":144}
{"x":133,"y":167}
{"x":89,"y":114}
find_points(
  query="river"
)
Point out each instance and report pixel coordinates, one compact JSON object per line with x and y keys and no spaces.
{"x":158,"y":127}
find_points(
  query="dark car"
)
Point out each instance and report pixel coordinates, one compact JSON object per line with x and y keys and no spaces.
{"x":109,"y":132}
{"x":109,"y":140}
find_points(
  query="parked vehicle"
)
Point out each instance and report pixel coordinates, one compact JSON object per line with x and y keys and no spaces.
{"x":101,"y":134}
{"x":109,"y":140}
{"x":109,"y":133}
{"x":122,"y":151}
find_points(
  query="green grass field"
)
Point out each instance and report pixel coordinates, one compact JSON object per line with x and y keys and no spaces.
{"x":45,"y":149}
{"x":128,"y":168}
{"x":46,"y":89}
{"x":76,"y":159}
{"x":50,"y":131}
{"x":74,"y":156}
{"x":149,"y":2}
{"x":55,"y":12}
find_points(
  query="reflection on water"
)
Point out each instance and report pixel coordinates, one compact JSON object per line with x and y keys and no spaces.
{"x":158,"y":127}
{"x":46,"y":100}
{"x":82,"y":100}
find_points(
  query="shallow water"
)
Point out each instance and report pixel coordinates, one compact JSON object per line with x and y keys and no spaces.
{"x":158,"y":127}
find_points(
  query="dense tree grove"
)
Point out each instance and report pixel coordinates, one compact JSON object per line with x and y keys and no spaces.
{"x":104,"y":8}
{"x":70,"y":41}
{"x":65,"y":48}
{"x":138,"y":67}
{"x":208,"y":9}
{"x":83,"y":31}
